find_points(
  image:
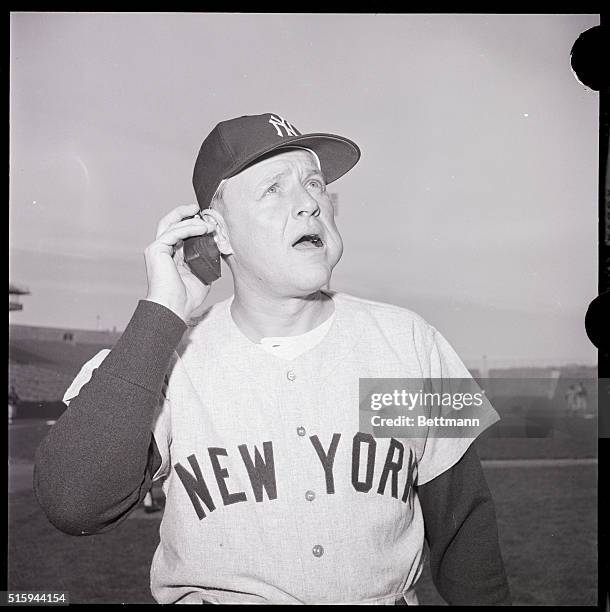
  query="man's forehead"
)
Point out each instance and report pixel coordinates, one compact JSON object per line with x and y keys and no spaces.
{"x":281,"y":162}
{"x":299,"y":159}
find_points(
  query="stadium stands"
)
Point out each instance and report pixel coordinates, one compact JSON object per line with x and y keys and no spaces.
{"x":44,"y":361}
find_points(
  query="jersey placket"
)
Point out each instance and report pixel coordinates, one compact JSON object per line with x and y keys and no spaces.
{"x":301,"y":421}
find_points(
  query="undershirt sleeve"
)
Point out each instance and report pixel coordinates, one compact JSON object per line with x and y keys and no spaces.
{"x":461,"y":531}
{"x":98,"y":461}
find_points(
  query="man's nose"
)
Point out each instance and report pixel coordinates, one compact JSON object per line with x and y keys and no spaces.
{"x":305,"y":204}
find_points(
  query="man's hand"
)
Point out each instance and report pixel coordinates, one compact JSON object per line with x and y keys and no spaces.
{"x":170,"y":282}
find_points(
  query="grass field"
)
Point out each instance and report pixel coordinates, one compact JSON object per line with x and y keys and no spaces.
{"x":546,"y":519}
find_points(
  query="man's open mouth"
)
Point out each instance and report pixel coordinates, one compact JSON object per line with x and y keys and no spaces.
{"x":309,"y":241}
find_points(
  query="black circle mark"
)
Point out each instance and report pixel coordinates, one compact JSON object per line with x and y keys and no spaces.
{"x":589,"y":57}
{"x":596,"y":319}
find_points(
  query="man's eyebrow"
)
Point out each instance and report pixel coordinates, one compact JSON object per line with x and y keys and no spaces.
{"x":269,"y":179}
{"x":316,"y":172}
{"x":313,"y":171}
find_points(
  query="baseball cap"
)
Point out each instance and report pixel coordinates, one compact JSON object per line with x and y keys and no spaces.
{"x":236,"y":143}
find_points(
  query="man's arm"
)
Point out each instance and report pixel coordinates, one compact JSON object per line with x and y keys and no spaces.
{"x":462,"y":534}
{"x":97,"y":462}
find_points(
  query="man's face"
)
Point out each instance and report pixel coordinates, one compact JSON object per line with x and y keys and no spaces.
{"x":268,"y":209}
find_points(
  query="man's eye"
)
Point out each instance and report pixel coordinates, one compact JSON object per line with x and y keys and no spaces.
{"x":273,"y":189}
{"x":316,"y":184}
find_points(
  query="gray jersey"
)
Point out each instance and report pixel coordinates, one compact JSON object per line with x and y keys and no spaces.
{"x":273,"y":493}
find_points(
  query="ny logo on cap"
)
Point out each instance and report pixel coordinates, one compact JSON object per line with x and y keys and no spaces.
{"x":280,"y":122}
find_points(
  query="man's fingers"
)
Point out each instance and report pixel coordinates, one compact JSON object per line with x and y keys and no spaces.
{"x":180,"y":231}
{"x":204,"y":226}
{"x":178,"y":214}
{"x":179,"y":255}
{"x":179,"y":259}
{"x":171,"y":239}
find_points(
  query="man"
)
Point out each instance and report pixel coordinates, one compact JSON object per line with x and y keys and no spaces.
{"x":251,"y":417}
{"x":13,"y":400}
{"x":570,"y":396}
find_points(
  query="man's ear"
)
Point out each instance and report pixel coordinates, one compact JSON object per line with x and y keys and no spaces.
{"x":221,"y":235}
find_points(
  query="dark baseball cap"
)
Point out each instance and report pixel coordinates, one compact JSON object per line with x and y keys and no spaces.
{"x":235,"y":144}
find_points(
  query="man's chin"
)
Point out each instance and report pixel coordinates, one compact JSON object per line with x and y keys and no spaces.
{"x":311,"y":283}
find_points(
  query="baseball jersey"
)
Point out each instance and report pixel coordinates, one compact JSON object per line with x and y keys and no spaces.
{"x":273,"y":494}
{"x":289,"y":347}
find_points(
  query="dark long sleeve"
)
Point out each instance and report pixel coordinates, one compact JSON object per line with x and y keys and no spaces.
{"x":462,"y":534}
{"x":96,"y":463}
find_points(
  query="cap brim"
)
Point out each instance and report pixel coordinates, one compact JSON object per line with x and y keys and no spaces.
{"x":337,"y":154}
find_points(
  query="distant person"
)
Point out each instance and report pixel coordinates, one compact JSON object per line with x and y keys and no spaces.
{"x":13,"y":400}
{"x":581,"y":398}
{"x":248,"y":410}
{"x":570,"y":396}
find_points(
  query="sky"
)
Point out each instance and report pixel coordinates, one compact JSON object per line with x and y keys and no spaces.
{"x":474,"y":203}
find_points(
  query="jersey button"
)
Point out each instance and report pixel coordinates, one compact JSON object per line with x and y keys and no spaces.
{"x":310,"y":495}
{"x":317,"y":551}
{"x":290,"y":375}
{"x":301,"y":431}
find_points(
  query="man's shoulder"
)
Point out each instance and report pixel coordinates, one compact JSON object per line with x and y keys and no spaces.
{"x":214,"y":321}
{"x":212,"y":313}
{"x":383,"y":312}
